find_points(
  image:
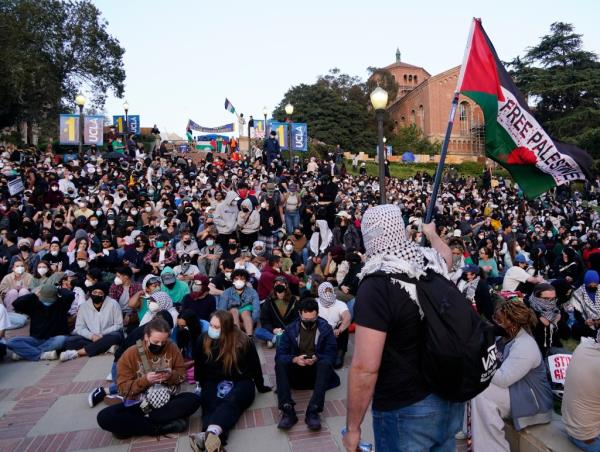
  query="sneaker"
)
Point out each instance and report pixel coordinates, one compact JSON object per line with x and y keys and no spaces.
{"x":288,"y":417}
{"x":312,"y":420}
{"x":96,"y":396}
{"x":212,"y":443}
{"x":197,"y":442}
{"x":270,"y":344}
{"x":113,"y":400}
{"x":109,"y":377}
{"x":68,"y":355}
{"x":112,"y":350}
{"x":49,"y":356}
{"x":15,"y":357}
{"x":175,"y":426}
{"x":460,"y":435}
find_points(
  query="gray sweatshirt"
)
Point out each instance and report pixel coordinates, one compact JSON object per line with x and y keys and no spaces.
{"x":91,"y":321}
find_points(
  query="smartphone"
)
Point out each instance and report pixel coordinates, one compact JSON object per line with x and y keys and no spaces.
{"x":163,"y":371}
{"x":308,"y":356}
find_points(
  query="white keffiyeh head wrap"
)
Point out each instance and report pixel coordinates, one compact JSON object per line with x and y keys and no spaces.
{"x":326,"y":294}
{"x":389,"y":251}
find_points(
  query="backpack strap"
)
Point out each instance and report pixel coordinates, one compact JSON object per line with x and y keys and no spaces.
{"x":142,"y":354}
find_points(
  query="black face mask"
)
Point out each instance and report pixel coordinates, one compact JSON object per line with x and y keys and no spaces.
{"x":298,"y":236}
{"x":97,"y":299}
{"x":279,"y":288}
{"x":232,"y":246}
{"x":170,"y":286}
{"x":300,"y":275}
{"x":309,"y":324}
{"x":187,"y":242}
{"x":24,"y":249}
{"x":155,"y":349}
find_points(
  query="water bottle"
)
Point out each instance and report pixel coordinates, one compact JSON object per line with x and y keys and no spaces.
{"x":362,"y":445}
{"x":198,"y":389}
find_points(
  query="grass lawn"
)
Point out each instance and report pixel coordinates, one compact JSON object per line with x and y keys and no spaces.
{"x":406,"y":170}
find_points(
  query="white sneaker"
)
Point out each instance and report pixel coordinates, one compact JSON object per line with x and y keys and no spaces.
{"x":460,"y":435}
{"x":15,"y":357}
{"x":109,"y":377}
{"x":112,"y":350}
{"x":68,"y":355}
{"x":270,"y":344}
{"x":49,"y":356}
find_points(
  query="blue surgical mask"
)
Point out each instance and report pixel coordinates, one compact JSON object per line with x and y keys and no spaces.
{"x":213,"y":333}
{"x":309,"y":285}
{"x":159,"y":244}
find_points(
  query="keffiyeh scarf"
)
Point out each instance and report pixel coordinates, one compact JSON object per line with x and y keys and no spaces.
{"x":326,"y":295}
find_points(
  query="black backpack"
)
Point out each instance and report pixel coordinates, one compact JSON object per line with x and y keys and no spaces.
{"x":458,"y":359}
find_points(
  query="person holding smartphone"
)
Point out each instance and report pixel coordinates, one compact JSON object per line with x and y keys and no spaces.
{"x":305,"y":356}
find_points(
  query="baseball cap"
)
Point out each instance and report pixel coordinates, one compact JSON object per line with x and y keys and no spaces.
{"x":522,"y":259}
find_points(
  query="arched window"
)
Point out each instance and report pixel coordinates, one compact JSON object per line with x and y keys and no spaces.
{"x":415,"y":79}
{"x":404,"y":77}
{"x":413,"y":117}
{"x":410,"y":78}
{"x":465,"y":118}
{"x":421,"y":117}
{"x":403,"y":120}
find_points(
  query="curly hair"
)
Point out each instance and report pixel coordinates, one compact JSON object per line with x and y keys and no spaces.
{"x":517,"y":313}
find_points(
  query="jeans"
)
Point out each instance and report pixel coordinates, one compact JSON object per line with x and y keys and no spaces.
{"x":16,"y":320}
{"x":292,"y":221}
{"x":429,"y":424}
{"x":594,"y":446}
{"x":130,"y":421}
{"x":315,"y":377}
{"x":31,"y":348}
{"x":94,"y":348}
{"x":264,"y":335}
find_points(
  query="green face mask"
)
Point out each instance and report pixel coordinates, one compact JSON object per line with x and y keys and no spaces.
{"x":159,"y":244}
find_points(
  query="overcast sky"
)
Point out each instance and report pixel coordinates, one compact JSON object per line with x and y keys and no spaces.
{"x":183,"y":57}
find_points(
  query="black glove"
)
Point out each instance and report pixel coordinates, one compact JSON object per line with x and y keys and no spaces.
{"x":264,"y":389}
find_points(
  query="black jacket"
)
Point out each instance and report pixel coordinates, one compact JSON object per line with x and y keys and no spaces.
{"x":45,"y":321}
{"x":270,"y":318}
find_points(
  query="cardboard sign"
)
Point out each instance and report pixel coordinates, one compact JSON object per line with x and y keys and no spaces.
{"x":558,"y":367}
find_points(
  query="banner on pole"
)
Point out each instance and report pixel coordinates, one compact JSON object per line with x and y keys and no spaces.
{"x":69,"y":129}
{"x":133,"y":120}
{"x":220,"y":129}
{"x":299,"y":134}
{"x":258,"y":131}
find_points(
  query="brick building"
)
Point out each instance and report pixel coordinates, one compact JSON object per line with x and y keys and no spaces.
{"x":424,"y":100}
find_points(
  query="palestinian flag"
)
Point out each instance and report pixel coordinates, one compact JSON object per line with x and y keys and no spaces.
{"x":513,"y":137}
{"x":229,"y":106}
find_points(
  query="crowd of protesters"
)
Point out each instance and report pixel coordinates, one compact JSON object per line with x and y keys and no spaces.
{"x":179,"y":265}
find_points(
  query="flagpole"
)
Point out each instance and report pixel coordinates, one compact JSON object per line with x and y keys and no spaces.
{"x":440,"y":168}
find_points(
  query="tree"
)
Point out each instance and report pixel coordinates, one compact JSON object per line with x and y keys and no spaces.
{"x":335,"y":110}
{"x":383,"y":78}
{"x":49,"y":51}
{"x":565,"y":81}
{"x":411,"y":139}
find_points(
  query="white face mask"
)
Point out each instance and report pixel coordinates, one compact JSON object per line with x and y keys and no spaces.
{"x":111,"y":222}
{"x":148,"y":209}
{"x":239,"y":284}
{"x":81,"y":263}
{"x":153,"y":307}
{"x":210,"y":242}
{"x":134,"y":212}
{"x":42,"y":270}
{"x":88,"y":283}
{"x":106,"y":202}
{"x":289,"y":248}
{"x":94,"y":223}
{"x":54,"y":253}
{"x":118,"y":281}
{"x":227,"y":275}
{"x":19,"y":270}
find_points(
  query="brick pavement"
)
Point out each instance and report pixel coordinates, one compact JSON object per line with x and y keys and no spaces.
{"x":43,"y":407}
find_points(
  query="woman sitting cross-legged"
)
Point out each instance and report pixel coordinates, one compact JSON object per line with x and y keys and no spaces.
{"x":519,"y":388}
{"x":151,"y":362}
{"x":228,"y":369}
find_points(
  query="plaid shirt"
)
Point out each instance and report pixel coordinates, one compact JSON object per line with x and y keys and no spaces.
{"x":115,"y":291}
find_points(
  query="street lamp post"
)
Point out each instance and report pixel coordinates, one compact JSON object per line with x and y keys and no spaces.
{"x":379,"y":99}
{"x":126,"y":129}
{"x":289,"y":110}
{"x":80,"y":101}
{"x":265,"y":124}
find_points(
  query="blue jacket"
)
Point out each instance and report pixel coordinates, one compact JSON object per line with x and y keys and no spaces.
{"x":230,"y":299}
{"x":325,"y":345}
